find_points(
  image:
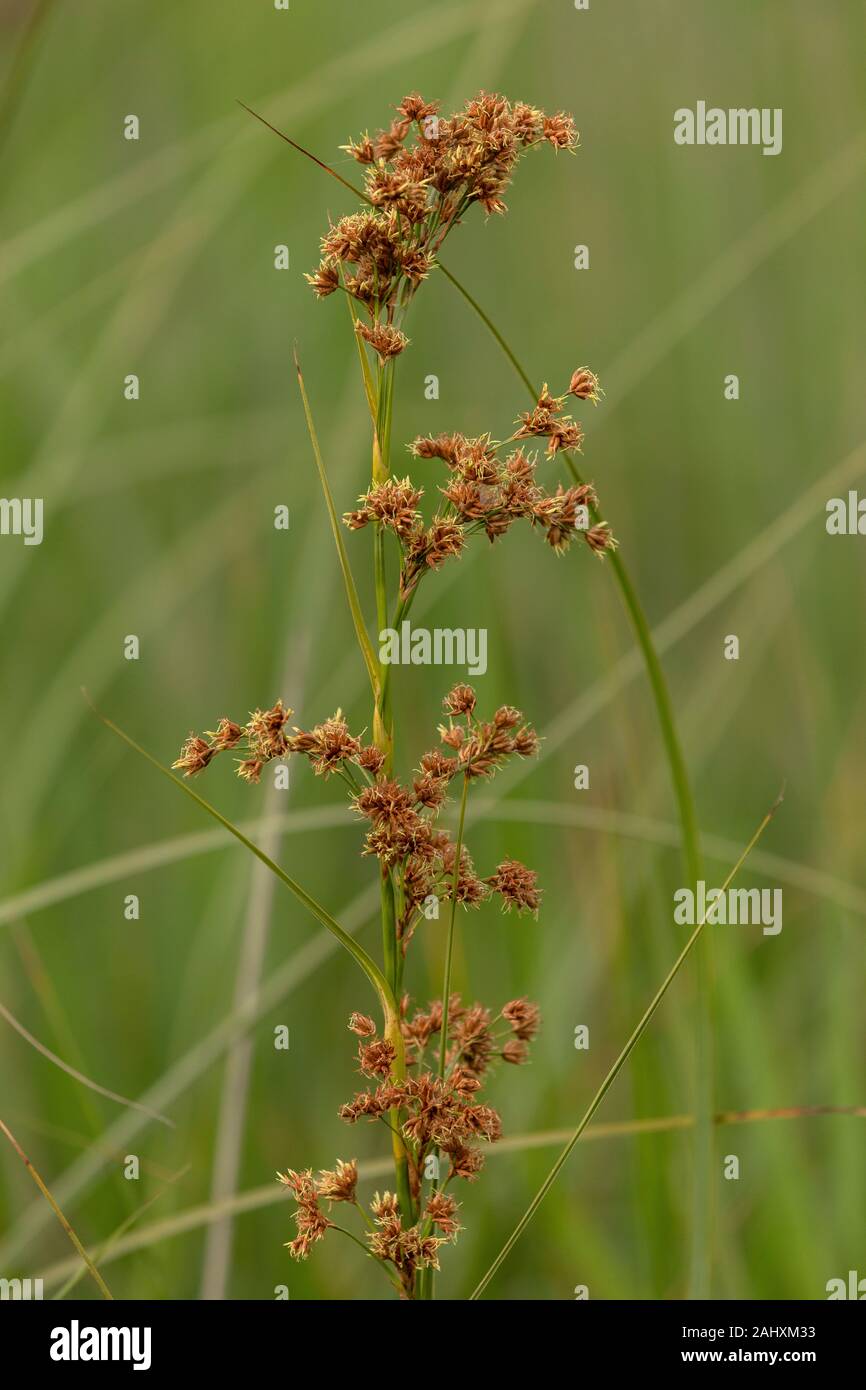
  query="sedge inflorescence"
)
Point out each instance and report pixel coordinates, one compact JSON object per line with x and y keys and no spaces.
{"x":437,"y":1107}
{"x":487,"y":493}
{"x":422,"y":176}
{"x":425,"y":1067}
{"x":441,"y":1117}
{"x":403,"y":833}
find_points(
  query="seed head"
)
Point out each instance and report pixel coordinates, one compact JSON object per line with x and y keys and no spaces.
{"x":516,"y":885}
{"x":584,"y":385}
{"x":460,"y":700}
{"x":325,"y":279}
{"x":383,"y":338}
{"x":195,"y":755}
{"x":441,"y":1211}
{"x":338,"y":1185}
{"x":362,"y":1026}
{"x":524,"y":1018}
{"x":376,"y":1058}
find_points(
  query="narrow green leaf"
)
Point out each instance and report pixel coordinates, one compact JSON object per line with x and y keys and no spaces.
{"x":359,"y":193}
{"x":366,"y":962}
{"x":616,"y":1068}
{"x":46,"y":1193}
{"x":349,"y":582}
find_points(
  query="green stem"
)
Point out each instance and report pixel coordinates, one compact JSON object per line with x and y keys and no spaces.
{"x":370,"y":1256}
{"x":390,"y":950}
{"x":383,"y":737}
{"x":426,"y":1288}
{"x":449,"y":948}
{"x":348,"y":580}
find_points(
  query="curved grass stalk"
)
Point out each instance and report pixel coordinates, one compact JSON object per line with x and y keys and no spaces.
{"x":614,"y":1071}
{"x":366,"y":962}
{"x":661,"y":696}
{"x":256,"y":1198}
{"x":94,"y":1272}
{"x":702,"y":1205}
{"x":449,"y":949}
{"x":79,"y":1075}
{"x":390,"y":1008}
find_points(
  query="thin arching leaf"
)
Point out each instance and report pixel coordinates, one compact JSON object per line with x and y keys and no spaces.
{"x":614,"y":1071}
{"x":366,"y":962}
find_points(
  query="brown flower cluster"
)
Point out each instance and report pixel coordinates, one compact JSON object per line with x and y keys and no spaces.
{"x":263,"y":737}
{"x":403,"y":833}
{"x":405,"y":837}
{"x":438,"y":1115}
{"x":473,"y":1040}
{"x":422,"y":174}
{"x":329,"y":746}
{"x":488,"y":493}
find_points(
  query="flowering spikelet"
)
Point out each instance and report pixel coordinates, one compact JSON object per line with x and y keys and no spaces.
{"x":311,"y":1221}
{"x":584,"y":385}
{"x":264,"y":732}
{"x":361,"y":1025}
{"x":523,"y":1017}
{"x":460,"y":700}
{"x":325,"y":279}
{"x":226,"y":735}
{"x":338,"y":1184}
{"x":422,"y":174}
{"x":392,"y":503}
{"x":328,"y":746}
{"x":263,"y":737}
{"x":441,"y":1211}
{"x":377,"y":1057}
{"x":516,"y":885}
{"x":195,"y":755}
{"x":445,"y":446}
{"x":383,"y":338}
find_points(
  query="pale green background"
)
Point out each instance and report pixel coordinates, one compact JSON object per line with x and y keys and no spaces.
{"x":156,"y":257}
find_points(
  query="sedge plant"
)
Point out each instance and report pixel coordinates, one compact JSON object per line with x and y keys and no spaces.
{"x":425,"y":1064}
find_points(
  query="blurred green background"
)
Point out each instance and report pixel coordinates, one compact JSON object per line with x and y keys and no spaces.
{"x":156,"y":257}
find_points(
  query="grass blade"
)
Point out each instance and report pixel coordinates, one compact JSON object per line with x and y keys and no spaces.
{"x":78,"y":1075}
{"x":370,"y":1170}
{"x":366,"y":962}
{"x":348,"y":580}
{"x":358,"y":192}
{"x":616,"y":1068}
{"x":94,"y":1272}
